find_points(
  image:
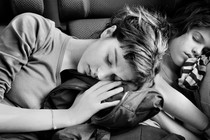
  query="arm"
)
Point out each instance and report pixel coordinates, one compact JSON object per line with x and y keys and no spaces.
{"x":167,"y":123}
{"x":13,"y":119}
{"x":204,"y":92}
{"x":25,"y":35}
{"x":17,"y":43}
{"x":179,"y":106}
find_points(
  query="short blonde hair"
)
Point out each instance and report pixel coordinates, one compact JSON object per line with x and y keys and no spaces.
{"x":144,"y":35}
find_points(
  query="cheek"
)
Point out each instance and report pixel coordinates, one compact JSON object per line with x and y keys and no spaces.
{"x":174,"y":46}
{"x":176,"y":53}
{"x":177,"y":60}
{"x":84,"y":62}
{"x":91,"y":60}
{"x":80,"y":66}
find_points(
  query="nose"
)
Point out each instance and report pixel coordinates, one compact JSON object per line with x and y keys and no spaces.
{"x":105,"y":73}
{"x":197,"y":51}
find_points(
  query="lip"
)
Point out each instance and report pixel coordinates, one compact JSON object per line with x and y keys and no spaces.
{"x":91,"y":73}
{"x":188,"y":55}
{"x":88,"y":71}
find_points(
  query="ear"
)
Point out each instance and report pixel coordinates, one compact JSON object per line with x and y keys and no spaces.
{"x":108,"y":32}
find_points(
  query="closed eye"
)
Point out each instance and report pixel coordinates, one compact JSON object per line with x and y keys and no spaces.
{"x":111,"y":58}
{"x":197,"y":37}
{"x":108,"y":61}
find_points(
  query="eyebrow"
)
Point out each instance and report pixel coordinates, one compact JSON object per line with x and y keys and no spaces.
{"x":116,"y":59}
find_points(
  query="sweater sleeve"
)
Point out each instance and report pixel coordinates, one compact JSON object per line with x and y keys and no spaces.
{"x":26,"y":34}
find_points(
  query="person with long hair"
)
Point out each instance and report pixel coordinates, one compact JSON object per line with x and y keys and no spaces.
{"x":190,"y":38}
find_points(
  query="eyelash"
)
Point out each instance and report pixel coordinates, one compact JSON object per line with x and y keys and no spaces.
{"x":197,"y":38}
{"x":108,"y":61}
{"x":115,"y":78}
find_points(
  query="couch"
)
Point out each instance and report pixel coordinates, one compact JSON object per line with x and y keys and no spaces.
{"x":79,"y":18}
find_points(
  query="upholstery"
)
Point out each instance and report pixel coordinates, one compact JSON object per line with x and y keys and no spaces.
{"x":5,"y":13}
{"x":21,"y":6}
{"x":82,"y":18}
{"x":10,"y":8}
{"x":79,"y":18}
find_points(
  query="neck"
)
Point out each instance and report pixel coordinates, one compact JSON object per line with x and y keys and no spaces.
{"x":74,"y":52}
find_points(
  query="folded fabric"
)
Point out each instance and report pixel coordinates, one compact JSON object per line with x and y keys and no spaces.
{"x":192,"y":72}
{"x":91,"y":132}
{"x":134,"y":107}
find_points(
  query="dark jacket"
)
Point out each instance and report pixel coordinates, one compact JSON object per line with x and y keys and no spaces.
{"x":134,"y":107}
{"x":120,"y":122}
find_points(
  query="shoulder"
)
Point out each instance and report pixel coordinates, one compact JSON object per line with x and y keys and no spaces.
{"x":31,"y":19}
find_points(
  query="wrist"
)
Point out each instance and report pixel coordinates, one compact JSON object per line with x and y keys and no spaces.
{"x":62,"y":119}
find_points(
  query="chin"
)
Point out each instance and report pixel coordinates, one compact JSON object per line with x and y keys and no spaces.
{"x":80,"y":70}
{"x":180,"y":64}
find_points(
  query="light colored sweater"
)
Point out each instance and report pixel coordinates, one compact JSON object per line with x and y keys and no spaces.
{"x":31,"y":54}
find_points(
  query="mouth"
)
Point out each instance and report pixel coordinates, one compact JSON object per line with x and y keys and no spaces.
{"x":91,"y":73}
{"x":88,"y":71}
{"x":188,"y":55}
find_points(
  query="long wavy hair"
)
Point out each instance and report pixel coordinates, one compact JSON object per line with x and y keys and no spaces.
{"x":194,"y":15}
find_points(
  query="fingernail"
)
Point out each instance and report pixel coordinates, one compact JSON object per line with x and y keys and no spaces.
{"x":121,"y":88}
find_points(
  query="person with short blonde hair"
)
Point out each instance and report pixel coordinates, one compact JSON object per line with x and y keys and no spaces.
{"x":33,"y":52}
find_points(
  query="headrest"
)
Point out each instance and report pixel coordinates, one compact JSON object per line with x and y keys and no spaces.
{"x":5,"y":12}
{"x":21,"y":6}
{"x":86,"y":28}
{"x":79,"y":9}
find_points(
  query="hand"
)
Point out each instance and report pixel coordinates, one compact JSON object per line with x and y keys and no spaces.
{"x":90,"y":102}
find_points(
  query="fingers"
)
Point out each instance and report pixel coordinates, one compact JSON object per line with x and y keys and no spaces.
{"x":98,"y":85}
{"x":109,"y":104}
{"x":103,"y":86}
{"x":99,"y":92}
{"x":108,"y":87}
{"x":108,"y":94}
{"x":111,"y":93}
